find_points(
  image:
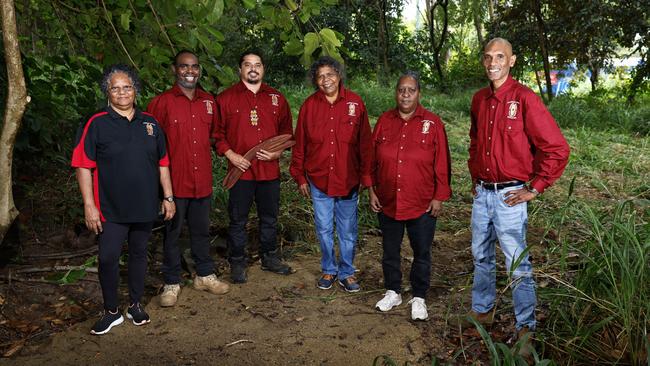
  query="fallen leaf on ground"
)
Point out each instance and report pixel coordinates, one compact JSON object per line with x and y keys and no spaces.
{"x":17,"y":346}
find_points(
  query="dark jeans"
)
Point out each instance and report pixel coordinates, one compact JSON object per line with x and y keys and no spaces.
{"x":110,"y":248}
{"x":267,"y":200}
{"x":197,"y":213}
{"x":420,"y":232}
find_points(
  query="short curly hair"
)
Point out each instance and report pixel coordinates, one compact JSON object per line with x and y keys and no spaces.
{"x":111,"y":70}
{"x":325,"y":61}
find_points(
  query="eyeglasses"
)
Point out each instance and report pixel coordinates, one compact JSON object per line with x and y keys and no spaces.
{"x":126,"y":89}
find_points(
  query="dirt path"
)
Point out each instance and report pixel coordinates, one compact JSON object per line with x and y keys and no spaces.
{"x":282,"y":320}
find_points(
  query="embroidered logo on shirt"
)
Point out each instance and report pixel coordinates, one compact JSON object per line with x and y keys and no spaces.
{"x":208,"y":106}
{"x":426,"y":124}
{"x":274,"y":99}
{"x":352,"y":109}
{"x":512,"y":109}
{"x":149,"y":127}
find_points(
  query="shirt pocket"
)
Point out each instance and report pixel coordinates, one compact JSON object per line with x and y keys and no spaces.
{"x":424,"y":141}
{"x":349,"y":130}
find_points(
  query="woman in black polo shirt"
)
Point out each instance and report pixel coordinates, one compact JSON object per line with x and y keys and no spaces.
{"x":121,"y":161}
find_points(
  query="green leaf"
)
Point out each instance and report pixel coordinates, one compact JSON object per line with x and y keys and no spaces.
{"x":291,"y":4}
{"x":331,"y":2}
{"x":311,"y":43}
{"x":215,"y":33}
{"x":293,"y":47}
{"x":329,"y":37}
{"x":125,"y":20}
{"x":249,"y":4}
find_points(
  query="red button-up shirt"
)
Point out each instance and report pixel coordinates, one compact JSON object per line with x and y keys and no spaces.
{"x":333,"y":144}
{"x":411,"y":164}
{"x":514,"y":137}
{"x":188,"y":125}
{"x":237,"y":131}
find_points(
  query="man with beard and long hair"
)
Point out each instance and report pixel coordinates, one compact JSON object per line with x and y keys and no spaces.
{"x":251,"y":112}
{"x":186,"y":113}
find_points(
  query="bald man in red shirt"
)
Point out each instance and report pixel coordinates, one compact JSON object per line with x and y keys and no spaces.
{"x":516,"y":151}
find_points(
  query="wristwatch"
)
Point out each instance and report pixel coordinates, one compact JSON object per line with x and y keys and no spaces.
{"x":169,"y":199}
{"x":533,"y":191}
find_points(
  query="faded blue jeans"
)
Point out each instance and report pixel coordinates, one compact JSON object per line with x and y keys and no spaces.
{"x":343,"y":211}
{"x":493,"y":219}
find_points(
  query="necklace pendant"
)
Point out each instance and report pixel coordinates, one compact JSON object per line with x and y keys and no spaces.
{"x":254,"y":117}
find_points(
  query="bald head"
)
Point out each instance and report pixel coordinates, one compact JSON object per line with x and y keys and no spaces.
{"x":500,"y":41}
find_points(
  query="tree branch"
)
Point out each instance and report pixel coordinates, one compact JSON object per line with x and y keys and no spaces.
{"x":108,"y":19}
{"x":162,"y":29}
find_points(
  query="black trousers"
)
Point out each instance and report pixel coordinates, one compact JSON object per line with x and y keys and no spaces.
{"x":197,"y":213}
{"x":110,"y":247}
{"x":266,"y":195}
{"x":420,"y":233}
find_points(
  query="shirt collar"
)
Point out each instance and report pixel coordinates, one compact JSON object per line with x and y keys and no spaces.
{"x":498,"y":94}
{"x":199,"y":93}
{"x":115,"y":115}
{"x":419,"y":112}
{"x":241,"y":87}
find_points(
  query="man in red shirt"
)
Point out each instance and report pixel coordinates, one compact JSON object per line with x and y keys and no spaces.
{"x":516,"y":151}
{"x":411,"y":176}
{"x":330,"y":160}
{"x":251,"y":112}
{"x":186,"y":114}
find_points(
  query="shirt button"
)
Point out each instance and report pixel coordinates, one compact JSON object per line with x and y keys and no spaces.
{"x":490,"y":122}
{"x":332,"y":155}
{"x":260,"y":140}
{"x":399,"y":175}
{"x":332,"y":130}
{"x":401,"y":147}
{"x":400,"y":162}
{"x":193,"y":128}
{"x":331,"y":168}
{"x":422,"y":141}
{"x":403,"y":135}
{"x":331,"y":117}
{"x":192,"y":116}
{"x":331,"y":142}
{"x":175,"y":120}
{"x":488,"y":169}
{"x":509,"y":127}
{"x":489,"y":138}
{"x":259,"y":129}
{"x":398,"y":189}
{"x":488,"y":153}
{"x":492,"y":107}
{"x":195,"y":141}
{"x":194,"y":154}
{"x":195,"y":168}
{"x":406,"y":124}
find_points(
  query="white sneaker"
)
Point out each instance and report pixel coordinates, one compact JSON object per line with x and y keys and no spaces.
{"x":390,"y":300}
{"x":418,"y":309}
{"x":170,"y":295}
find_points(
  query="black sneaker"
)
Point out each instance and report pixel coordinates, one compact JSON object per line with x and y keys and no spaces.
{"x":238,"y":270}
{"x":271,"y":262}
{"x":106,"y":322}
{"x":137,"y":314}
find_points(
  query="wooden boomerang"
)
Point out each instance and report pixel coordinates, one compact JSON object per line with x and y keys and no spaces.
{"x":277,"y":143}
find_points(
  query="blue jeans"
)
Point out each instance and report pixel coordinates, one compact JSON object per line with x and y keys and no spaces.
{"x":343,"y":210}
{"x":493,"y":219}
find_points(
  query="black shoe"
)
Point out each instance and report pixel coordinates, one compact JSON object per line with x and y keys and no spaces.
{"x":238,"y":270}
{"x":137,"y":314}
{"x":271,"y":262}
{"x":106,"y":322}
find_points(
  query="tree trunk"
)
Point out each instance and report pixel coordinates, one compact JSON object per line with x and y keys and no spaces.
{"x":479,"y":28}
{"x":542,"y":46}
{"x":17,"y":100}
{"x":437,"y":46}
{"x":382,"y":47}
{"x":595,"y":73}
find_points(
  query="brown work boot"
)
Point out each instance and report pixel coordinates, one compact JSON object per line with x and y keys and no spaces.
{"x":525,"y":336}
{"x":169,"y":295}
{"x":485,"y":319}
{"x":211,"y":284}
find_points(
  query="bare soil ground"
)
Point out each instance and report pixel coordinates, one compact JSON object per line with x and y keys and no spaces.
{"x":271,"y":320}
